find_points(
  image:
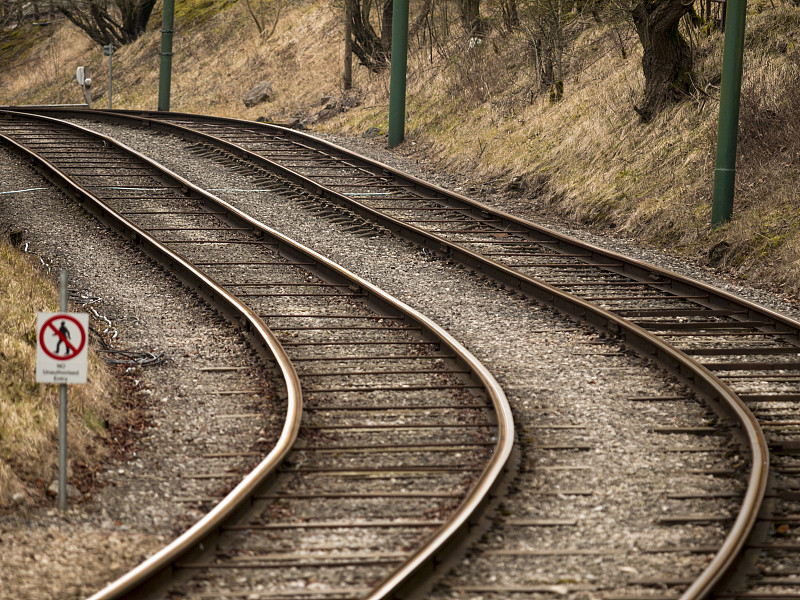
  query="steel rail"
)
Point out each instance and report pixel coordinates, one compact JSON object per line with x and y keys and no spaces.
{"x":677,"y":362}
{"x":159,"y":121}
{"x":228,"y":508}
{"x":409,"y":575}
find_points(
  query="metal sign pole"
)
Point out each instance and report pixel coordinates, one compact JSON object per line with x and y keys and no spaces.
{"x":54,"y":366}
{"x":62,"y":413}
{"x":108,"y":50}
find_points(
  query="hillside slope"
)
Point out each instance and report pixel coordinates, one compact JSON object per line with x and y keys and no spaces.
{"x":479,"y":113}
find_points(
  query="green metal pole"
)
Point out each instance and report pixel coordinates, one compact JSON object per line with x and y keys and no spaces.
{"x":397,"y":84}
{"x":725,"y":172}
{"x":165,"y":74}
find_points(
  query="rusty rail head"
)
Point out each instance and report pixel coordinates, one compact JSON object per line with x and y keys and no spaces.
{"x":207,"y":526}
{"x":675,"y":361}
{"x":443,"y":540}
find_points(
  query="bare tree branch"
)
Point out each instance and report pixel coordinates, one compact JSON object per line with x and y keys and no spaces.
{"x":117,"y":22}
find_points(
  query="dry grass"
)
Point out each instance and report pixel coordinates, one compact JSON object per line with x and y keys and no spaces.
{"x":216,"y":61}
{"x":48,"y":73}
{"x":480,"y":113}
{"x":589,"y":159}
{"x":29,"y":411}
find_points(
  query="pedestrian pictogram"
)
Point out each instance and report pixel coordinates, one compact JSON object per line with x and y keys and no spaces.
{"x":61,"y":354}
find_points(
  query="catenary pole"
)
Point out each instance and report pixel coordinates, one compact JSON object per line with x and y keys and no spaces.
{"x":728,"y":129}
{"x":397,"y":83}
{"x":165,"y":74}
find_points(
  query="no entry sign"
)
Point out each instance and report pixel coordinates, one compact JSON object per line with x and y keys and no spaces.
{"x":62,"y":349}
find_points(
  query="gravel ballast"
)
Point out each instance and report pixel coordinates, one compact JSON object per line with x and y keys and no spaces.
{"x":144,"y":499}
{"x":565,"y":388}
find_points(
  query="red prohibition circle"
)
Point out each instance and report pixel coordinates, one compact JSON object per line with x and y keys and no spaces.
{"x":49,"y":325}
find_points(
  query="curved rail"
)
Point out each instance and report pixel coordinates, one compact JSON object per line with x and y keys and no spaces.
{"x":206,"y":527}
{"x":442,"y":542}
{"x":701,"y":378}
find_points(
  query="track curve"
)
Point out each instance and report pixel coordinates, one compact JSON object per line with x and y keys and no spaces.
{"x":662,"y":315}
{"x":488,"y":478}
{"x":545,"y":265}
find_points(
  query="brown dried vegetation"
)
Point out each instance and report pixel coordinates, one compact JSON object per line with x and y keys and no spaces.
{"x":29,"y":411}
{"x":486,"y":113}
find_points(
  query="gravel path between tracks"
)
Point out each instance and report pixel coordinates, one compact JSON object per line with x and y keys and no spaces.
{"x":565,"y":390}
{"x":550,"y":368}
{"x":133,"y":511}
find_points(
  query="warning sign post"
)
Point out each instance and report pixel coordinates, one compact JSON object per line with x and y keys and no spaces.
{"x":62,"y":350}
{"x":62,"y":357}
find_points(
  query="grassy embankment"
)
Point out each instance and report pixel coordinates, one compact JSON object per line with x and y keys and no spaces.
{"x":587,"y":159}
{"x":29,"y":411}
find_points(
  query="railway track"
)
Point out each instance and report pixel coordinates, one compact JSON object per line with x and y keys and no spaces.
{"x":384,"y":466}
{"x":744,"y":356}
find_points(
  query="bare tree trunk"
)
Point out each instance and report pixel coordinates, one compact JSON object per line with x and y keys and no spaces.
{"x":557,"y":41}
{"x":254,"y":16}
{"x":421,"y":19}
{"x":368,"y":46}
{"x":667,"y":61}
{"x":470,"y":11}
{"x":118,"y":22}
{"x":510,"y":15}
{"x":386,"y":28}
{"x":347,"y":77}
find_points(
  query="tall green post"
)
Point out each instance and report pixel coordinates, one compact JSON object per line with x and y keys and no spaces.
{"x":397,"y":84}
{"x":165,"y":74}
{"x":728,"y":130}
